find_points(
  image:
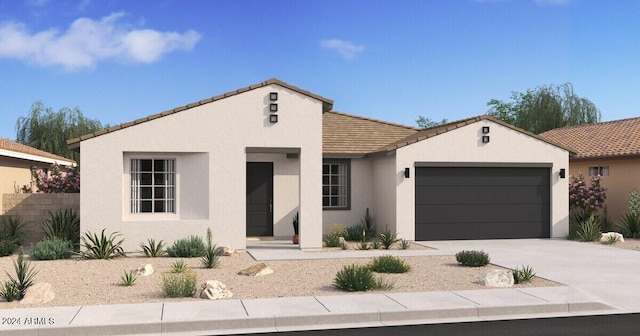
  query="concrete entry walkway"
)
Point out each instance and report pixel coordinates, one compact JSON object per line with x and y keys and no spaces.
{"x":598,"y":280}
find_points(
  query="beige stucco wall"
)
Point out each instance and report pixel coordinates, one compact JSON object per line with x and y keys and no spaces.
{"x":14,"y":173}
{"x":624,"y":176}
{"x":463,"y":147}
{"x":361,"y":184}
{"x":384,"y":192}
{"x":209,"y":143}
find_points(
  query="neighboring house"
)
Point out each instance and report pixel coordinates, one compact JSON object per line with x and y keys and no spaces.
{"x":245,"y":162}
{"x":17,"y":161}
{"x":610,"y":149}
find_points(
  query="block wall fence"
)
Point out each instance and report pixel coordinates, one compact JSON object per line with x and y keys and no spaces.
{"x":34,"y":209}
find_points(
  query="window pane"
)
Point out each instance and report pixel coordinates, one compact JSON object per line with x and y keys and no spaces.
{"x":325,"y":201}
{"x":325,"y":169}
{"x":158,"y":178}
{"x":145,"y":165}
{"x":145,"y":193}
{"x":159,"y":192}
{"x":334,"y":169}
{"x":159,"y":206}
{"x":158,"y":165}
{"x":145,"y":206}
{"x":145,"y":179}
{"x":334,"y":179}
{"x":325,"y":190}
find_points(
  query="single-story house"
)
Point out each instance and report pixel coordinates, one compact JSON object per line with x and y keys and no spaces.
{"x":610,"y":149}
{"x":18,"y":160}
{"x":245,"y":162}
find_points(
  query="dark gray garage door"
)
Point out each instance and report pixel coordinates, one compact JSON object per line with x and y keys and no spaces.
{"x":482,"y":203}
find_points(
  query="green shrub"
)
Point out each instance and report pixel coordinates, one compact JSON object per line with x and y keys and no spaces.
{"x":152,"y":249}
{"x":15,"y":288}
{"x":13,"y":229}
{"x":606,"y":225}
{"x":634,"y":202}
{"x":610,"y":240}
{"x":629,"y":225}
{"x":128,"y":278}
{"x":7,"y":246}
{"x":389,"y":264}
{"x":102,"y":247}
{"x":472,"y":258}
{"x":333,"y":238}
{"x":589,"y":230}
{"x":211,"y":257}
{"x":363,"y":245}
{"x":522,"y":275}
{"x":387,"y":239}
{"x":63,"y":224}
{"x":52,"y":249}
{"x":178,"y":266}
{"x":187,"y":248}
{"x":368,"y":224}
{"x":355,"y":233}
{"x":359,"y":278}
{"x":376,"y":245}
{"x":404,"y":244}
{"x":181,"y":284}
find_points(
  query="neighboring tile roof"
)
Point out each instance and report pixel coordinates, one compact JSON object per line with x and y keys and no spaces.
{"x":606,"y":139}
{"x":6,"y":144}
{"x":353,"y":135}
{"x":327,"y":105}
{"x":440,"y":129}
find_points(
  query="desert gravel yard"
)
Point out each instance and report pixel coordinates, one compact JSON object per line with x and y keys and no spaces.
{"x":88,"y":282}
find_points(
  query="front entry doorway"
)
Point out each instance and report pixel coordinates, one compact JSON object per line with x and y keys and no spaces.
{"x":259,"y":199}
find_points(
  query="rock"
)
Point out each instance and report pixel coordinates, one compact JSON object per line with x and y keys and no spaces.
{"x":227,"y":251}
{"x":38,"y":293}
{"x":341,"y":240}
{"x":256,"y":270}
{"x":605,"y":237}
{"x":498,"y":278}
{"x":214,"y":290}
{"x":145,"y":270}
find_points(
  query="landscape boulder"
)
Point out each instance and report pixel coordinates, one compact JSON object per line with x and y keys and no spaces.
{"x":498,"y":278}
{"x":145,"y":270}
{"x":38,"y":293}
{"x":214,"y":290}
{"x":227,"y":251}
{"x":257,"y":270}
{"x":605,"y":236}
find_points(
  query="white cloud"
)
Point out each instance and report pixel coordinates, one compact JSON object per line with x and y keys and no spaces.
{"x":88,"y":41}
{"x":346,"y":49}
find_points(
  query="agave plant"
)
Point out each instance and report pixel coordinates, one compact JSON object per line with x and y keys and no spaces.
{"x":102,"y":247}
{"x":629,"y":225}
{"x":63,"y":224}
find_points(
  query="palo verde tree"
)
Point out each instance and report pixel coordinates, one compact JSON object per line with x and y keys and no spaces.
{"x":49,"y":130}
{"x":545,"y":108}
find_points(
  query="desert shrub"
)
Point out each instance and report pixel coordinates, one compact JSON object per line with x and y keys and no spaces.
{"x":64,"y":224}
{"x":13,"y":229}
{"x":387,"y":239}
{"x":359,"y":278}
{"x":52,"y":249}
{"x":389,"y":264}
{"x":61,"y":179}
{"x":7,"y":245}
{"x":368,"y":224}
{"x":634,"y":202}
{"x":355,"y":233}
{"x":363,"y":245}
{"x":524,"y":274}
{"x":333,"y":238}
{"x":629,"y":225}
{"x":178,"y":266}
{"x":182,"y":284}
{"x":211,"y":257}
{"x":15,"y":288}
{"x":590,"y":197}
{"x":404,"y":244}
{"x":102,"y":247}
{"x":187,"y":248}
{"x":376,"y":245}
{"x":606,"y":224}
{"x":128,"y":278}
{"x":610,"y":240}
{"x":472,"y":258}
{"x":152,"y":249}
{"x":589,"y":230}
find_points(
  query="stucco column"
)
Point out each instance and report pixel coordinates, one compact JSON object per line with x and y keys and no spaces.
{"x":310,"y":200}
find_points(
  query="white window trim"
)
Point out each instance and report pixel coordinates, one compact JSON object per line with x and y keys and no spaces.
{"x":126,"y":189}
{"x":603,"y":171}
{"x":347,"y":164}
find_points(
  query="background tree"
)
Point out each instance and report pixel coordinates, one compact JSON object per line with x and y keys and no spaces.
{"x":48,"y":130}
{"x":545,"y":108}
{"x":424,"y":122}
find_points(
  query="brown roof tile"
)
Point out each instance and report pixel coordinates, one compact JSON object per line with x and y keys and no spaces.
{"x":349,"y":134}
{"x":606,"y":139}
{"x":327,"y":105}
{"x":13,"y":146}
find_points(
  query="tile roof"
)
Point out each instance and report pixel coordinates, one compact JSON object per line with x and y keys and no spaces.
{"x":607,"y":139}
{"x":440,"y":129}
{"x":353,"y":135}
{"x":12,"y":146}
{"x":327,"y":105}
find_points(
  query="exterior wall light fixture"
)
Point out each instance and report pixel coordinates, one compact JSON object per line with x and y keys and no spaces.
{"x":407,"y":173}
{"x":563,"y":173}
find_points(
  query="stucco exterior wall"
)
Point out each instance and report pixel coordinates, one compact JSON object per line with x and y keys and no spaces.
{"x":361,"y":197}
{"x":384,"y":193}
{"x":464,"y":147}
{"x":624,"y":176}
{"x":208,"y":141}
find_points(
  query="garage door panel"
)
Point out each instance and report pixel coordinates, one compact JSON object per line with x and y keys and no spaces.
{"x":480,"y":231}
{"x":451,"y":213}
{"x":481,"y":195}
{"x":478,"y":176}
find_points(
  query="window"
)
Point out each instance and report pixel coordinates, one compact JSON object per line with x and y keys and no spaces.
{"x":599,"y":170}
{"x":335,"y":184}
{"x":153,"y":186}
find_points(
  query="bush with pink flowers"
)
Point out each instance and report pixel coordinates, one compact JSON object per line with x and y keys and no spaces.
{"x":588,"y":198}
{"x":61,"y":179}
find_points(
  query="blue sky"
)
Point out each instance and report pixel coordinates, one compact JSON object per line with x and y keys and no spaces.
{"x":120,"y":60}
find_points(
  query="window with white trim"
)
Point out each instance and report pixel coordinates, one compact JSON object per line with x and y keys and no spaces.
{"x":335,"y":184}
{"x":599,"y":170}
{"x":153,"y":186}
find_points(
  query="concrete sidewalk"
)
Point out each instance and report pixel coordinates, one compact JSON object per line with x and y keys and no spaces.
{"x":598,"y":280}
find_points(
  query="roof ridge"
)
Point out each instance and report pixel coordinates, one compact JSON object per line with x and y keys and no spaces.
{"x":375,"y":120}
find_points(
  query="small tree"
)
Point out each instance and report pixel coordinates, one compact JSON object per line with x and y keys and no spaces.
{"x":588,"y":198}
{"x":61,"y":179}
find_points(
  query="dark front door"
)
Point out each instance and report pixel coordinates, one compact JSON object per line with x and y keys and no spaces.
{"x":259,"y":199}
